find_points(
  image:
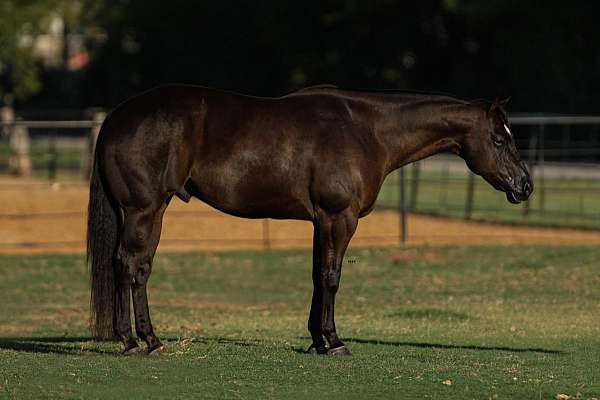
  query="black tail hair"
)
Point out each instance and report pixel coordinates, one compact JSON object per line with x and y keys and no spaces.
{"x":102,"y":240}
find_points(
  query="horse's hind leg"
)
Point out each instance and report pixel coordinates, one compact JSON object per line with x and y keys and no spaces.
{"x":121,"y":318}
{"x":139,"y":239}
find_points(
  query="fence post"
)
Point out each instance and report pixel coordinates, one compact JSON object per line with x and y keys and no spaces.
{"x":444,"y":186}
{"x":266,"y":234}
{"x":52,"y":156}
{"x":542,"y":191}
{"x":402,"y":207}
{"x":414,"y":186}
{"x":19,"y":162}
{"x":7,"y":115}
{"x":88,"y":158}
{"x":531,"y":165}
{"x":470,"y":194}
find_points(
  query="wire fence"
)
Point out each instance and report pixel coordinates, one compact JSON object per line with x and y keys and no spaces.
{"x":563,"y":153}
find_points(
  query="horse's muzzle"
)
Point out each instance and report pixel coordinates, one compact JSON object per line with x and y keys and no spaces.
{"x":522,"y":191}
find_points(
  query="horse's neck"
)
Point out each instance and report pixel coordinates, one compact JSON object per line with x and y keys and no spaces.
{"x":415,"y":132}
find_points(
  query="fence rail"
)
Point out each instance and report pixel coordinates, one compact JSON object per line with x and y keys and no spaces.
{"x":66,"y":124}
{"x":442,"y":189}
{"x":519,"y":119}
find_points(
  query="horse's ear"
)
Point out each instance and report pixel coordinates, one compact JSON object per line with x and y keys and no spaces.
{"x":497,"y":103}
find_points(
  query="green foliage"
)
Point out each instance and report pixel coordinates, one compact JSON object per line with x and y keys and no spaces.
{"x":19,"y":18}
{"x":20,"y":22}
{"x":25,"y":74}
{"x":542,"y":55}
{"x":475,"y":49}
{"x":451,"y":323}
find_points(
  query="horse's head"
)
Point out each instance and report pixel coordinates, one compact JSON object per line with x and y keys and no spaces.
{"x":489,"y":150}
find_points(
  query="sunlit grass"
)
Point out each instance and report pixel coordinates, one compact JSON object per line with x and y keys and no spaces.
{"x":511,"y":322}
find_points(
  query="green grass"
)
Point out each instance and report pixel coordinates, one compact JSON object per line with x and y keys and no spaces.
{"x":566,"y":203}
{"x":497,"y":322}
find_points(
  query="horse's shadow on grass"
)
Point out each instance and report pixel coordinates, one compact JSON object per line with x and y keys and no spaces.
{"x":442,"y":346}
{"x":73,"y":345}
{"x":50,"y":344}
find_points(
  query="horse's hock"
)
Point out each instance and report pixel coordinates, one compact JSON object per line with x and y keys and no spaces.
{"x":35,"y":217}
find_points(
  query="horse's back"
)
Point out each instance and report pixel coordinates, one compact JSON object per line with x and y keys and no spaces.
{"x":248,"y":156}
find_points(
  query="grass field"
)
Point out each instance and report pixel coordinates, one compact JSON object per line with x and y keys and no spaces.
{"x":422,"y":322}
{"x":566,"y":202}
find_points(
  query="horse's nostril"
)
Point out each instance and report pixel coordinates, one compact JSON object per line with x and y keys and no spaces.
{"x":527,"y":188}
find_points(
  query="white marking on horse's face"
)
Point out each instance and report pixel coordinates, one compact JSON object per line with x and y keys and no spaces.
{"x":507,"y":130}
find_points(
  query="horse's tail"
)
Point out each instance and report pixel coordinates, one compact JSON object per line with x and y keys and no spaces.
{"x":102,"y":241}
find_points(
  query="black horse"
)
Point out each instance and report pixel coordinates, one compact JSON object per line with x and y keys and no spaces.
{"x":320,"y":154}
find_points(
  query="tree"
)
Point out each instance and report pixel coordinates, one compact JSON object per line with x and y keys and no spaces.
{"x":21,"y":21}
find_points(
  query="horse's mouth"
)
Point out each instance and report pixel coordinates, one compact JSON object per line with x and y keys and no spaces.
{"x":514,"y":197}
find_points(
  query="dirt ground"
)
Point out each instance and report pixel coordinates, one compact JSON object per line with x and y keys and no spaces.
{"x":36,"y":217}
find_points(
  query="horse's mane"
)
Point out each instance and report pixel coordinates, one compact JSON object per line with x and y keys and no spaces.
{"x":484,"y":103}
{"x":391,"y":91}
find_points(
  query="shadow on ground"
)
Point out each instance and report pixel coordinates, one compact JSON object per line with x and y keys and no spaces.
{"x":444,"y":346}
{"x":83,"y":344}
{"x":51,"y":344}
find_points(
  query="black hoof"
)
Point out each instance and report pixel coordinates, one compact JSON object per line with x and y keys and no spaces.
{"x":316,"y":349}
{"x":131,"y":349}
{"x":156,"y":349}
{"x":339,"y":351}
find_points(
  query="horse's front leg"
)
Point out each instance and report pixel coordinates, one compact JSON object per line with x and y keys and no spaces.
{"x":335,"y":232}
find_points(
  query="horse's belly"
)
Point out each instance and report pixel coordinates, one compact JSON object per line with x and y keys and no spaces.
{"x":248,"y":194}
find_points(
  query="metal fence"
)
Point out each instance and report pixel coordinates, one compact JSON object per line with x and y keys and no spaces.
{"x":38,"y":147}
{"x":563,"y":153}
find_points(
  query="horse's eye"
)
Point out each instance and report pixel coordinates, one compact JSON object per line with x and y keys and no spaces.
{"x":498,"y":141}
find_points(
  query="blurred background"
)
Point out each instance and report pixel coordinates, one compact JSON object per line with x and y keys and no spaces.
{"x":65,"y":63}
{"x":74,"y":54}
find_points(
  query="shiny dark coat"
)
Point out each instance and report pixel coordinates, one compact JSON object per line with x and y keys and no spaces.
{"x":320,"y":154}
